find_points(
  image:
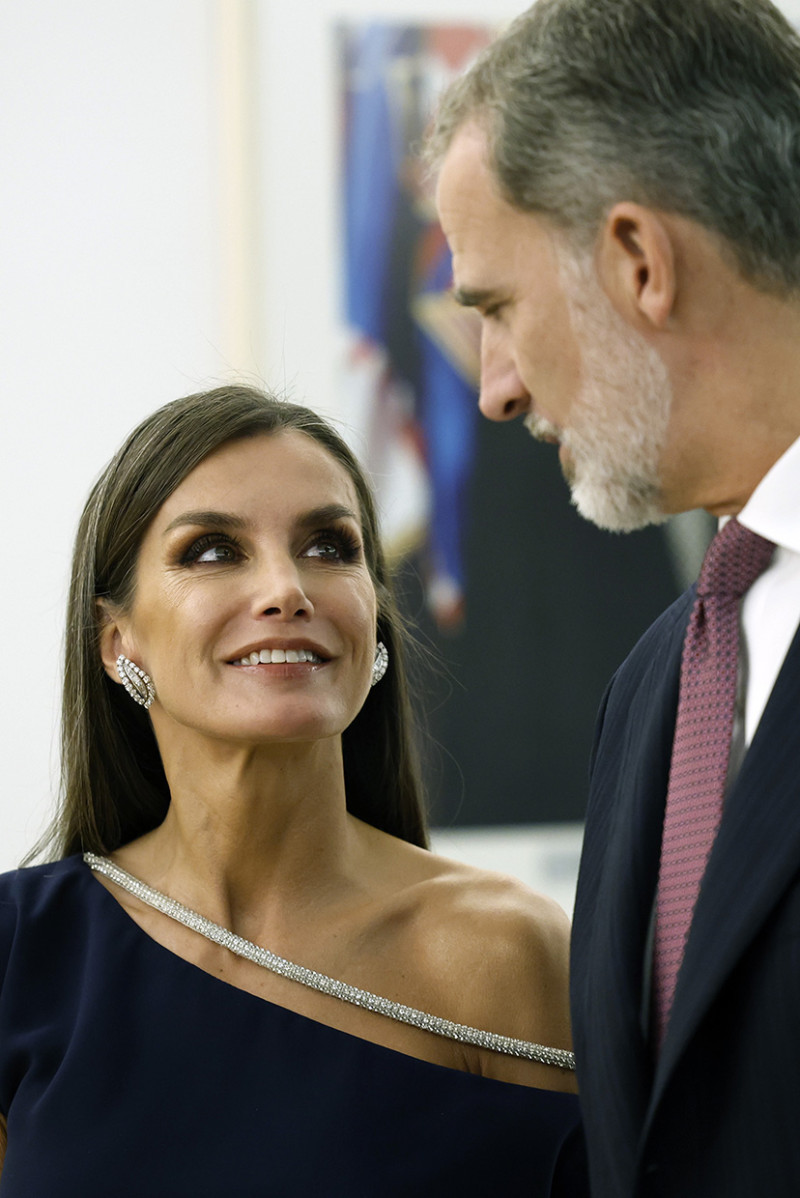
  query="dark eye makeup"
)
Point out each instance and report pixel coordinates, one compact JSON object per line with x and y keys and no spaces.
{"x":226,"y":548}
{"x":334,"y":544}
{"x":219,"y":548}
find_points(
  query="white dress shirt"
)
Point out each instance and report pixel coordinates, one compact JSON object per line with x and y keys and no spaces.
{"x":770,"y":611}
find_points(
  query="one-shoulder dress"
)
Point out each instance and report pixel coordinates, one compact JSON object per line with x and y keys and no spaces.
{"x":127,"y":1072}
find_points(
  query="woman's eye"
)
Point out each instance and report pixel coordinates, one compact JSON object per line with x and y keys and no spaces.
{"x":334,"y":547}
{"x":217,"y":553}
{"x":211,"y":550}
{"x":324,"y":549}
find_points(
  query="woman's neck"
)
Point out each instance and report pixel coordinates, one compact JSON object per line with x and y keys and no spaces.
{"x":250,"y":829}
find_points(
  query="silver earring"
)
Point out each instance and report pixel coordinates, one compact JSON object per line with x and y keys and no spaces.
{"x":138,"y":684}
{"x":380,"y":663}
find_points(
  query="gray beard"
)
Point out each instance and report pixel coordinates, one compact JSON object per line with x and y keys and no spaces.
{"x":618,"y":423}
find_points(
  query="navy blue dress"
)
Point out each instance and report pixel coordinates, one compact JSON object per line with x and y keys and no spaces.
{"x":127,"y":1072}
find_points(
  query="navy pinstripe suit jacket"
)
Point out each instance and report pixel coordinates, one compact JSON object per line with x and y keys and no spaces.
{"x":718,"y":1116}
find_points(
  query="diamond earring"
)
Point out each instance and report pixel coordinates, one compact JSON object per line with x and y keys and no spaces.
{"x":380,"y":663}
{"x":138,"y":684}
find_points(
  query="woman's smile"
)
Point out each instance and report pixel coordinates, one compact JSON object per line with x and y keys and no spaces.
{"x":273,"y":657}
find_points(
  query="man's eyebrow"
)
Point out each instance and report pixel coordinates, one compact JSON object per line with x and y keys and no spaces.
{"x":473,"y":299}
{"x":319,"y":515}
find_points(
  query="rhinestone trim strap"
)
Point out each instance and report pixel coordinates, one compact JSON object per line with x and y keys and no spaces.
{"x":559,"y":1057}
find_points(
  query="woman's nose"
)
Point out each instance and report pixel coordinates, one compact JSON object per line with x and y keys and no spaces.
{"x":280,"y":592}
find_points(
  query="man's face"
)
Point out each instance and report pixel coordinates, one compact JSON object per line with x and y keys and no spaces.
{"x":553,"y":349}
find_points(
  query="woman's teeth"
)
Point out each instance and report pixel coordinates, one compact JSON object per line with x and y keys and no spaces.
{"x":269,"y":657}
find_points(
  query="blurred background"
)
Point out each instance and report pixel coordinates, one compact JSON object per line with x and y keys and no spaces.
{"x":197,"y":191}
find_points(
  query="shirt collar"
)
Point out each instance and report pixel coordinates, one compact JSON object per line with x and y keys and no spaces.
{"x":773,"y":510}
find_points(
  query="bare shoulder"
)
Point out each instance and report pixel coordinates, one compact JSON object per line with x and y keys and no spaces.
{"x":500,"y":953}
{"x":476,"y":947}
{"x":519,"y":936}
{"x":476,"y":903}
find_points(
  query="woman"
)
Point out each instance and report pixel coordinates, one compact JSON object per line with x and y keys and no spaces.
{"x":236,"y":738}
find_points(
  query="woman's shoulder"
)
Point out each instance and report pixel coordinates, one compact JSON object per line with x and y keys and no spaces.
{"x":496,"y":957}
{"x":32,"y":884}
{"x":36,"y":904}
{"x":522,"y":936}
{"x":460,"y":898}
{"x":37,"y":895}
{"x":451,"y":904}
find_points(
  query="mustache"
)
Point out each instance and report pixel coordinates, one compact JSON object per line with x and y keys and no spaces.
{"x":541,"y":429}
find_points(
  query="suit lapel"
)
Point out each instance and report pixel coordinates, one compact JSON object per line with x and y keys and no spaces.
{"x":754,"y":859}
{"x":611,"y":924}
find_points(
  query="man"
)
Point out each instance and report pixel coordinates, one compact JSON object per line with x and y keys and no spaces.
{"x":619,"y":182}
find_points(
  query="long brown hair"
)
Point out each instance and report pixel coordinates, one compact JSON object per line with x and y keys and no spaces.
{"x":113,"y":787}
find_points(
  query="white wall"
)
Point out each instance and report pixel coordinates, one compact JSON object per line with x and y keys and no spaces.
{"x":109,"y":253}
{"x":116,"y":294}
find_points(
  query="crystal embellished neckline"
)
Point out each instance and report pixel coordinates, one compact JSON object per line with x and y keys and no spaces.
{"x":540,"y":1053}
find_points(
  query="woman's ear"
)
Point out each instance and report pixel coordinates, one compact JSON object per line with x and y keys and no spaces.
{"x":636,"y":264}
{"x":108,"y":619}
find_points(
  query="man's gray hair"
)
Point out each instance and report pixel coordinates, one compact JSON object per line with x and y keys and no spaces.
{"x":688,"y":106}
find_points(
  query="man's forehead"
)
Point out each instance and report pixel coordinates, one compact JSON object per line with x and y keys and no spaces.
{"x":488,"y":237}
{"x":476,"y":221}
{"x":471,"y":139}
{"x":465,"y":169}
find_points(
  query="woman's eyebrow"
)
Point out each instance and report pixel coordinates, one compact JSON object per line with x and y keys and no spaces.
{"x":215,"y":519}
{"x":318,"y":515}
{"x":327,"y":513}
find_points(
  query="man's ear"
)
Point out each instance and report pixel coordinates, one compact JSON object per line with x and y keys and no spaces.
{"x":636,"y":264}
{"x":111,"y":637}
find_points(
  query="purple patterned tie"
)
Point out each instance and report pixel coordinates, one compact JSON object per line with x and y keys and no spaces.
{"x":700,"y":751}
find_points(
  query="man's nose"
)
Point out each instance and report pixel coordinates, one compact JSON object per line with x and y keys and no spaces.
{"x":503,"y":393}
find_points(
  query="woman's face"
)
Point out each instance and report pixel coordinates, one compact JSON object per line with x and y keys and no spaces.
{"x":254,"y":612}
